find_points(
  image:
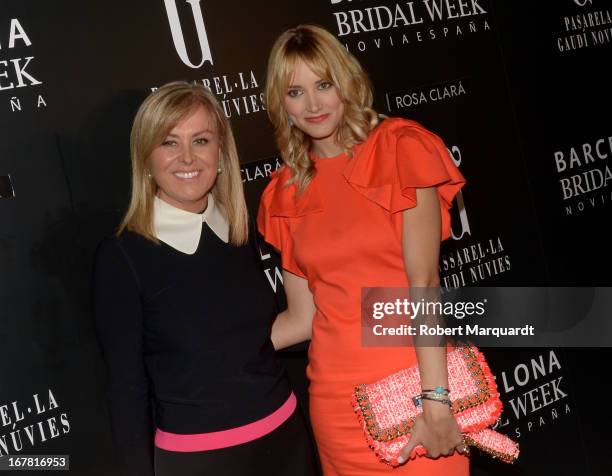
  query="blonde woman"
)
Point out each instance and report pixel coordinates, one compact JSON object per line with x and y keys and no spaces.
{"x":361,"y":202}
{"x":183,"y":311}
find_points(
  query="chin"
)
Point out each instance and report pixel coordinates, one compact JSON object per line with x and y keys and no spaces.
{"x":188,"y":197}
{"x":318,"y":135}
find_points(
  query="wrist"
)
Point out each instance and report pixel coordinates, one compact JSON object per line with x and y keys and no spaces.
{"x":434,"y":410}
{"x":438,"y":395}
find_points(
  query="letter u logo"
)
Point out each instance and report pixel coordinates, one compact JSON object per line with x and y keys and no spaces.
{"x":177,"y":32}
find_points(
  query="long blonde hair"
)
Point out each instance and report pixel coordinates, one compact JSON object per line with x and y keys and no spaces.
{"x":328,"y":59}
{"x":158,"y":114}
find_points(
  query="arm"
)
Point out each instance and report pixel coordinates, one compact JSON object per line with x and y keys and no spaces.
{"x":118,"y":319}
{"x":437,"y":429}
{"x":294,"y":324}
{"x":421,"y":245}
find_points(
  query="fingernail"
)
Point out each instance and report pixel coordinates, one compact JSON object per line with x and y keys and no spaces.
{"x":400,"y":460}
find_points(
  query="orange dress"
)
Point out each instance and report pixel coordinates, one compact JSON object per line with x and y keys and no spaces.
{"x":344,"y":233}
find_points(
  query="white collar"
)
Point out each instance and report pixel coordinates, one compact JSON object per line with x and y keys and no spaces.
{"x":181,"y":229}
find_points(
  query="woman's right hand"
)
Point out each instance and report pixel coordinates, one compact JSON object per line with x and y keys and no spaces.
{"x":436,"y":430}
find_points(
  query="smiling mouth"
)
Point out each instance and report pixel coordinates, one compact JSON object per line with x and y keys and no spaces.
{"x":317,"y":119}
{"x":187,"y":175}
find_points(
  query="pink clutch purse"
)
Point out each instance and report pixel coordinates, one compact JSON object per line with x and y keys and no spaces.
{"x":387,"y":412}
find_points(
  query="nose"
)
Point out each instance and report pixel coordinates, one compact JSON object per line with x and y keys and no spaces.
{"x":186,"y":156}
{"x":312,"y":102}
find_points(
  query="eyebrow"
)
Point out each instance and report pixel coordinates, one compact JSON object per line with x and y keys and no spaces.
{"x":194,"y":134}
{"x":298,"y":86}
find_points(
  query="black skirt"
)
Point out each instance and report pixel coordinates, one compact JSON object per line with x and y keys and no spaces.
{"x":286,"y":451}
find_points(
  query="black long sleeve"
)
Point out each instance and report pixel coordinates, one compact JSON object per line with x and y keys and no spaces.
{"x":189,"y":333}
{"x":119,"y":324}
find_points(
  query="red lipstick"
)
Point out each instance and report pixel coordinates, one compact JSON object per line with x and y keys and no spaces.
{"x":317,"y":119}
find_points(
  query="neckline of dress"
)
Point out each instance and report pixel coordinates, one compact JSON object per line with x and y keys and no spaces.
{"x":317,"y":158}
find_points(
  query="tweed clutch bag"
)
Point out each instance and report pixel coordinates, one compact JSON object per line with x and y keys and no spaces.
{"x":387,"y":412}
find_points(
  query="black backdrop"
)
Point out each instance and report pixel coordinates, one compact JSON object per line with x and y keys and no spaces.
{"x":518,"y":90}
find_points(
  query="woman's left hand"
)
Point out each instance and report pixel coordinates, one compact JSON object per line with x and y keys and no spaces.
{"x":436,"y":430}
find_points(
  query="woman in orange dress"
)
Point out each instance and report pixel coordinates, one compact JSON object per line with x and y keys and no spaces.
{"x":361,"y":202}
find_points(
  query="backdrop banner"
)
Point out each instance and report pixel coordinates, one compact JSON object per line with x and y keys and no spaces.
{"x":517,"y":90}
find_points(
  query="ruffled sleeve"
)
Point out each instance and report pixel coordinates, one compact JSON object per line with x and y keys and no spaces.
{"x":399,"y":157}
{"x":278,"y":206}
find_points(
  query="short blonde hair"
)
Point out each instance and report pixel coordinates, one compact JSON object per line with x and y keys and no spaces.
{"x":159,"y":113}
{"x":327,"y":58}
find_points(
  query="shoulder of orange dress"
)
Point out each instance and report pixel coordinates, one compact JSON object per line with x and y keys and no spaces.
{"x":395,"y":123}
{"x":278,"y":180}
{"x":282,"y":174}
{"x":396,"y":127}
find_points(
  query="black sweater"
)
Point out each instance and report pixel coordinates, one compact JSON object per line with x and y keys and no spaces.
{"x":188,"y":333}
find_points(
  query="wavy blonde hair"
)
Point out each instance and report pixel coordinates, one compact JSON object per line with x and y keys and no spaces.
{"x":159,"y":113}
{"x":329,"y":60}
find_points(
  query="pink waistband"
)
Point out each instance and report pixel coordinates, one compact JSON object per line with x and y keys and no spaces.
{"x":223,"y":439}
